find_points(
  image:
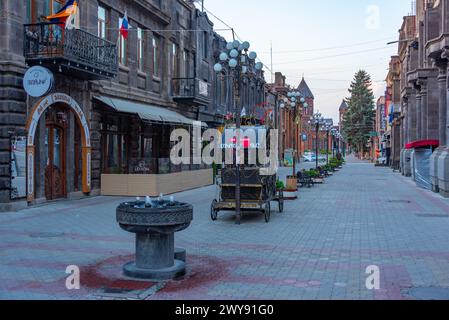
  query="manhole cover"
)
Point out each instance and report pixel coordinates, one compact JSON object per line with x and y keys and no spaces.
{"x":399,"y":201}
{"x":47,"y":235}
{"x":430,"y":293}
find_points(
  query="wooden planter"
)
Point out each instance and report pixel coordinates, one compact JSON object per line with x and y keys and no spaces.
{"x":292,"y":183}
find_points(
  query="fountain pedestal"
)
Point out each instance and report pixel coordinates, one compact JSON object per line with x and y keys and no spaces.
{"x":155,"y":241}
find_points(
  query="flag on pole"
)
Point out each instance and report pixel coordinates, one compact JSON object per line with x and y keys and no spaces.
{"x":124,"y":28}
{"x":68,"y":10}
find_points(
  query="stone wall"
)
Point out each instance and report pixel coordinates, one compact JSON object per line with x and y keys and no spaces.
{"x":12,"y":95}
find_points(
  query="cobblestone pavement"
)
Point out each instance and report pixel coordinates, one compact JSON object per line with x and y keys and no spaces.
{"x":318,"y":248}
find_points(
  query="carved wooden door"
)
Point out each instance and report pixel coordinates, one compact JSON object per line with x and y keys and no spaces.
{"x":55,"y":172}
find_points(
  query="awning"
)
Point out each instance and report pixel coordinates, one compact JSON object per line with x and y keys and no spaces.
{"x":147,"y":112}
{"x":423,"y":144}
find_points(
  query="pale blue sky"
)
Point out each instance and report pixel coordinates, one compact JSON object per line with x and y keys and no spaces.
{"x":295,"y":26}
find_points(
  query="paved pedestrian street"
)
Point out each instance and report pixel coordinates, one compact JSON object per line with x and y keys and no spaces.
{"x":319,"y":248}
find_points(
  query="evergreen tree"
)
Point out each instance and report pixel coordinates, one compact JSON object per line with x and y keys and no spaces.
{"x":358,"y":121}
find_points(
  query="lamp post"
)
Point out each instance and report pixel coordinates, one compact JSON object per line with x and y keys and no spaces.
{"x":327,"y":128}
{"x":294,"y":99}
{"x":240,"y":64}
{"x":334,"y":136}
{"x":317,"y":120}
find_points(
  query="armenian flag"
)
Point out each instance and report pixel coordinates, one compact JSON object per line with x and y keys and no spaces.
{"x":69,"y":9}
{"x":124,"y":28}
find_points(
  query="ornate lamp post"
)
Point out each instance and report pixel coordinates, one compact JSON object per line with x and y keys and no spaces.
{"x":240,"y":65}
{"x":294,"y":99}
{"x":317,"y":120}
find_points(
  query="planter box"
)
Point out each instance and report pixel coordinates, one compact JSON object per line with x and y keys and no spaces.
{"x":292,"y":183}
{"x":291,"y":194}
{"x":153,"y":185}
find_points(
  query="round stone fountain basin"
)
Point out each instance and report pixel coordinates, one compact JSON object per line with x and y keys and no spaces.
{"x":155,"y":227}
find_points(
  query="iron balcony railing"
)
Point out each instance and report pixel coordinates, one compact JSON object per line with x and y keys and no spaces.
{"x":191,"y":89}
{"x":53,"y":44}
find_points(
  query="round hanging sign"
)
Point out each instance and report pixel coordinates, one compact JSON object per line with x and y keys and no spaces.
{"x":38,"y":81}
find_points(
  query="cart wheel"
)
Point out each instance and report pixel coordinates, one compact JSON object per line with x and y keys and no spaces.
{"x":281,"y":201}
{"x":213,"y":211}
{"x":267,"y":211}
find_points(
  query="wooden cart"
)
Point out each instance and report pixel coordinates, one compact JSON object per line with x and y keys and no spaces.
{"x":257,"y":193}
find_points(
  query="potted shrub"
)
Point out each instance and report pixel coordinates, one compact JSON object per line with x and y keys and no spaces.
{"x":315,"y":175}
{"x":280,"y":186}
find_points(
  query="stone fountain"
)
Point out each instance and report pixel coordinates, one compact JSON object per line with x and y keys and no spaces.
{"x":155,"y":222}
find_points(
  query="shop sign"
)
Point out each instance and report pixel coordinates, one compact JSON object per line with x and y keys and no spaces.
{"x":140,"y":166}
{"x":38,"y":81}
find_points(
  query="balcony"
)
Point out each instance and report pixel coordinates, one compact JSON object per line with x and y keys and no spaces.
{"x":191,"y":90}
{"x":71,"y":51}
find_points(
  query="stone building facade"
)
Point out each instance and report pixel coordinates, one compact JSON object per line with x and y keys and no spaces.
{"x":111,"y":110}
{"x":424,"y":87}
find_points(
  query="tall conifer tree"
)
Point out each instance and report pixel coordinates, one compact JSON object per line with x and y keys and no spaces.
{"x":358,"y":121}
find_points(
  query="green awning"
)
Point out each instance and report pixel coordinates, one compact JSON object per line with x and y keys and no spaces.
{"x":147,"y":112}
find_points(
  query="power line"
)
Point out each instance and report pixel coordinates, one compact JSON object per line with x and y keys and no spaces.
{"x":329,"y":71}
{"x":332,"y":80}
{"x":328,"y":48}
{"x":336,"y":55}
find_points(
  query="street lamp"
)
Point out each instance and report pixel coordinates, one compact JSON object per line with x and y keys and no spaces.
{"x":334,"y":133}
{"x":327,"y":129}
{"x":317,"y":120}
{"x":294,"y":99}
{"x":240,"y":64}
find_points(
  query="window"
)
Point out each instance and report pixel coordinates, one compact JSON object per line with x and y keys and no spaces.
{"x":156,"y":56}
{"x":102,"y":22}
{"x":140,"y":48}
{"x":122,"y":47}
{"x":115,"y":145}
{"x":147,"y":151}
{"x":205,"y":45}
{"x":53,"y":6}
{"x":174,"y":63}
{"x":31,"y":16}
{"x":185,"y":63}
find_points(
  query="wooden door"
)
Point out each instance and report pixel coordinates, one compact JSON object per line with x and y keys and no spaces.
{"x":55,"y":171}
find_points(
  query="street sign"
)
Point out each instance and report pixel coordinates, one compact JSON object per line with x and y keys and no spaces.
{"x":38,"y":81}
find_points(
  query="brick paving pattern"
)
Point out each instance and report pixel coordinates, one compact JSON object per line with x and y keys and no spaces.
{"x":318,"y":248}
